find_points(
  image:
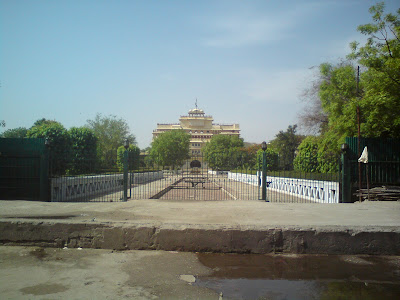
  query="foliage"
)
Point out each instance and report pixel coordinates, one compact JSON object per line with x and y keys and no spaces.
{"x":306,"y":159}
{"x":83,"y":150}
{"x":133,"y":157}
{"x":111,"y":133}
{"x":377,"y":95}
{"x":19,"y":132}
{"x":44,"y":121}
{"x":59,"y":144}
{"x":170,"y":148}
{"x":285,"y":143}
{"x":223,"y":152}
{"x":272,"y":159}
{"x":380,"y":105}
{"x":248,"y":156}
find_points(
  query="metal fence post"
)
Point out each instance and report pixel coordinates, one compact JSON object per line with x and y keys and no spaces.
{"x":345,"y":192}
{"x":125,"y":162}
{"x":264,"y":172}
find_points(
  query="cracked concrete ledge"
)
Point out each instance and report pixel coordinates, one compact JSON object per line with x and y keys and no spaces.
{"x":382,"y":240}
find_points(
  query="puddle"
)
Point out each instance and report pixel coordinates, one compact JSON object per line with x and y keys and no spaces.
{"x":39,"y":253}
{"x":302,"y":276}
{"x":44,"y":289}
{"x":44,"y":217}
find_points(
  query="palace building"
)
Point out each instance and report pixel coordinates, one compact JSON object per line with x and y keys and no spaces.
{"x":200,"y":127}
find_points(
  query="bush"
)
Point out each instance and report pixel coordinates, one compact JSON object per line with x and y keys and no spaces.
{"x":133,"y":157}
{"x":307,"y":157}
{"x":59,"y":144}
{"x":84,"y":150}
{"x":272,"y":159}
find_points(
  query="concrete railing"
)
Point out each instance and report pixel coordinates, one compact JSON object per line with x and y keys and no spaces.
{"x":313,"y":190}
{"x":65,"y":189}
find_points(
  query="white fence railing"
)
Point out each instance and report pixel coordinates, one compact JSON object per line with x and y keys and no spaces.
{"x":313,"y":190}
{"x":65,"y":189}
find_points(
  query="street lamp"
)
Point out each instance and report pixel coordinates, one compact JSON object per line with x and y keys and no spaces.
{"x":264,"y":172}
{"x":264,"y":146}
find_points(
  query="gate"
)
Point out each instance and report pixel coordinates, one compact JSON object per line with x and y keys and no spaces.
{"x":197,"y":180}
{"x":23,"y":169}
{"x":382,"y":169}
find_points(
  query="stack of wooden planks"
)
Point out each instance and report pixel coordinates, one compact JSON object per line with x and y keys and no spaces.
{"x":388,"y":193}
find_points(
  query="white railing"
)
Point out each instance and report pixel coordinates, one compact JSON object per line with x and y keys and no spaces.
{"x":313,"y":190}
{"x":65,"y":189}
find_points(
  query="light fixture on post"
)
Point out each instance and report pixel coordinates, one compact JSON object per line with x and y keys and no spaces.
{"x":264,"y":172}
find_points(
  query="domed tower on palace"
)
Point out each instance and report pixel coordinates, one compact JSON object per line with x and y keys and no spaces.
{"x":200,"y":127}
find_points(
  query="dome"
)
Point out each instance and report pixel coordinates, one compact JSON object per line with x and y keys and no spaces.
{"x":196,"y":111}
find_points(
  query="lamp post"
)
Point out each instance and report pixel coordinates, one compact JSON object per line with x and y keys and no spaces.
{"x":264,"y":172}
{"x":345,"y":185}
{"x":126,"y":146}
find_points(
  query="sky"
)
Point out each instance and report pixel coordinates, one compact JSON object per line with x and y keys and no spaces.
{"x":147,"y":62}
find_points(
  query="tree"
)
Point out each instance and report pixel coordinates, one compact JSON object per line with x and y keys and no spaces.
{"x":380,"y":105}
{"x":133,"y":157}
{"x":83,"y":150}
{"x":306,"y":159}
{"x":170,"y":148}
{"x":59,"y":144}
{"x":222,"y":152}
{"x":111,"y":133}
{"x":377,"y":94}
{"x":272,"y":159}
{"x":19,"y":132}
{"x":286,"y":143}
{"x":248,"y":156}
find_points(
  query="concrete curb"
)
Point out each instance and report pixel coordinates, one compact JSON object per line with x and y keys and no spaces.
{"x":192,"y":238}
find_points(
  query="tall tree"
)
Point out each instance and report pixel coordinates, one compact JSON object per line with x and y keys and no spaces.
{"x":286,"y":143}
{"x":223,"y":151}
{"x":19,"y":132}
{"x":83,"y":150}
{"x":59,"y":144}
{"x":111,"y":133}
{"x":170,"y":148}
{"x":380,"y":105}
{"x":378,"y":91}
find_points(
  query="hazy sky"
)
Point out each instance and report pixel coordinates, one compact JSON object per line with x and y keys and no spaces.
{"x":246,"y":62}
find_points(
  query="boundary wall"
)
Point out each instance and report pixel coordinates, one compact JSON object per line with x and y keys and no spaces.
{"x":66,"y":189}
{"x":314,"y":190}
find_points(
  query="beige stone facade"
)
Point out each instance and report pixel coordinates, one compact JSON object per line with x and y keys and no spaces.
{"x":200,"y":127}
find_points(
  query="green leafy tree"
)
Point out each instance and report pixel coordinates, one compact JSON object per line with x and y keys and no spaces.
{"x":111,"y":133}
{"x":306,"y":159}
{"x":380,"y":104}
{"x":286,"y":143}
{"x":248,"y":156}
{"x":272,"y":159}
{"x":170,"y":148}
{"x":223,"y":152}
{"x":133,"y":157}
{"x":83,"y":150}
{"x":19,"y":132}
{"x":59,"y":144}
{"x":377,"y":95}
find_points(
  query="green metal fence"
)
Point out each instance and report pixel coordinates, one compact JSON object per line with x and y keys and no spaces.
{"x":196,"y":179}
{"x":23,"y":169}
{"x":383,"y":167}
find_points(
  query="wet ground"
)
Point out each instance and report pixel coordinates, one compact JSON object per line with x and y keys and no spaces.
{"x":302,"y":276}
{"x":49,"y":273}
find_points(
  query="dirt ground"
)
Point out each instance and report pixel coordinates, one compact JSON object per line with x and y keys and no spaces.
{"x":48,"y":273}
